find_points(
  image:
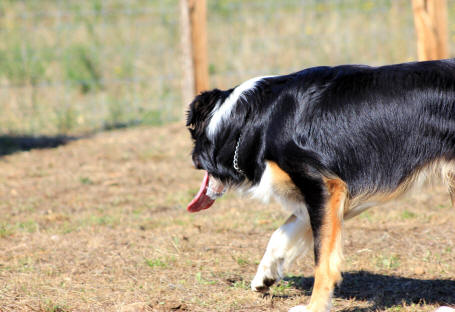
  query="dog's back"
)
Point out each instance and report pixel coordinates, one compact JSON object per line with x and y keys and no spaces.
{"x":376,"y":128}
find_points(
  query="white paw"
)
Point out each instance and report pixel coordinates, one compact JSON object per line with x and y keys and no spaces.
{"x":299,"y":308}
{"x":261,"y":283}
{"x":444,"y":309}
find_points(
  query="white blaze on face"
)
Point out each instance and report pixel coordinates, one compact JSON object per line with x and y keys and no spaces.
{"x":223,"y":110}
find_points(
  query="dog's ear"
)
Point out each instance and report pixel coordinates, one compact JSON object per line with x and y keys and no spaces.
{"x":200,"y":109}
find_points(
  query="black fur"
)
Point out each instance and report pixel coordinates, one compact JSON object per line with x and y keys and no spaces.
{"x":372,"y":127}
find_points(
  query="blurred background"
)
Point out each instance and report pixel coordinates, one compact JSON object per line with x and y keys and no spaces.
{"x":74,"y":67}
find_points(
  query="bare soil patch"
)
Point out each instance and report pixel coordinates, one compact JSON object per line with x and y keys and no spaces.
{"x":100,"y":224}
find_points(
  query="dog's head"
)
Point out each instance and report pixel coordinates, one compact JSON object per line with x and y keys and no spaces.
{"x":212,"y":153}
{"x":198,"y":118}
{"x":200,"y":112}
{"x":199,"y":115}
{"x":214,"y":140}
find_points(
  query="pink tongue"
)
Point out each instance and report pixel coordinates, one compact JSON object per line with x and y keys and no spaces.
{"x":201,"y":200}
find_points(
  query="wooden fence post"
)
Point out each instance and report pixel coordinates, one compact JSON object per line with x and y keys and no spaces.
{"x":198,"y":20}
{"x":430,"y":19}
{"x":193,"y":26}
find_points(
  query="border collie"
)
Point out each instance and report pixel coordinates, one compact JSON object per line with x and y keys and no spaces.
{"x":326,"y":143}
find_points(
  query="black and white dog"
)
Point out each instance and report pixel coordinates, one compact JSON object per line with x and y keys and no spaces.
{"x":327,"y":143}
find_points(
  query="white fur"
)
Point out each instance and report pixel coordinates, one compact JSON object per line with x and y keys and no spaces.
{"x":223,"y":110}
{"x":264,"y":190}
{"x":299,"y":308}
{"x":355,"y":211}
{"x":214,"y":189}
{"x":445,"y":309}
{"x":291,"y":241}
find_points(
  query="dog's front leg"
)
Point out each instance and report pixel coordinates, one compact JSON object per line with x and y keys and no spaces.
{"x":328,"y":247}
{"x":292,"y":240}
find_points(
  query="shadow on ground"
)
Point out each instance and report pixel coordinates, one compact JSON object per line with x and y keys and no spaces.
{"x":10,"y":144}
{"x":385,"y":291}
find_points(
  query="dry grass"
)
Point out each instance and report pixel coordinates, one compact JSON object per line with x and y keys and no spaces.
{"x":74,"y":66}
{"x":100,"y":225}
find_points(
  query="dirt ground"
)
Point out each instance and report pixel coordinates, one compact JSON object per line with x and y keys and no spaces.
{"x":99,"y":224}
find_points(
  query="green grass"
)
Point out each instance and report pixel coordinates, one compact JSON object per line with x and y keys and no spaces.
{"x":242,"y":261}
{"x":388,"y":262}
{"x":86,"y":180}
{"x":202,"y":280}
{"x":106,"y":220}
{"x":29,"y":226}
{"x":281,"y":288}
{"x":92,"y":70}
{"x":241,"y":285}
{"x":50,"y":306}
{"x":82,"y":68}
{"x":408,"y":215}
{"x":156,"y":263}
{"x":6,"y":230}
{"x":77,"y":66}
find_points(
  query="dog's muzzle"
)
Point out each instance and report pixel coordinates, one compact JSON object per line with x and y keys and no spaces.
{"x":210,"y":190}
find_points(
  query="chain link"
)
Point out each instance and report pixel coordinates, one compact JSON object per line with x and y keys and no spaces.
{"x":235,"y":162}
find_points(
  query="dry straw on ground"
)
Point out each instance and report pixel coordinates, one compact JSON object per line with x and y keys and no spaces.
{"x":99,"y":224}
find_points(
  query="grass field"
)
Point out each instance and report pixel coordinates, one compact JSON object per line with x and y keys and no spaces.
{"x":100,"y":224}
{"x":77,"y":66}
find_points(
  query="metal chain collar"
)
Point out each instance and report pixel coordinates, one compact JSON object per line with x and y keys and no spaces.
{"x":235,"y":162}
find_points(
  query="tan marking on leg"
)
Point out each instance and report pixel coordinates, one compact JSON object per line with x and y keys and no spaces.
{"x":452,"y":196}
{"x":282,"y":183}
{"x":337,"y":197}
{"x":449,"y":179}
{"x":278,"y":174}
{"x":327,"y":273}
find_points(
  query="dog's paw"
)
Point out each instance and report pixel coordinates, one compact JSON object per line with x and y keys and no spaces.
{"x":299,"y":308}
{"x":261,"y":283}
{"x":444,"y":309}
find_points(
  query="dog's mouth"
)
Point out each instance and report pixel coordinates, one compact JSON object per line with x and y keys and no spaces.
{"x":210,"y":190}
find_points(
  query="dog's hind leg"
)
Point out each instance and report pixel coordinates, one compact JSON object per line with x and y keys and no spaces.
{"x":287,"y":243}
{"x":451,"y":184}
{"x":452,"y":194}
{"x":327,"y":225}
{"x":448,"y":175}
